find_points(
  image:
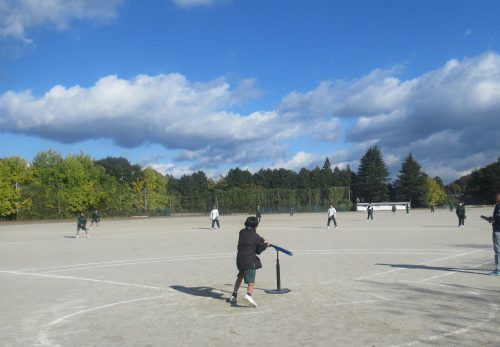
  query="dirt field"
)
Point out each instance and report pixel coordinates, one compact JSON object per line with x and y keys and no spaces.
{"x":402,"y":280}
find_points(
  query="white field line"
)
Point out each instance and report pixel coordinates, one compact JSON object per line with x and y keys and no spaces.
{"x":424,"y":263}
{"x":62,"y":236}
{"x":45,"y":341}
{"x":83,"y":279}
{"x":224,"y":255}
{"x":492,"y":315}
{"x":439,"y":250}
{"x":138,"y":263}
{"x":180,"y":257}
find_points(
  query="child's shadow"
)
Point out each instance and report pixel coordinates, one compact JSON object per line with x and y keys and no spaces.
{"x":206,"y":292}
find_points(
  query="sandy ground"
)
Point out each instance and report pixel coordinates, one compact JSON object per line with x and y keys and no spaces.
{"x":402,"y":280}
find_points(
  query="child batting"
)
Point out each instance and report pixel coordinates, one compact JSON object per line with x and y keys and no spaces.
{"x":249,"y":245}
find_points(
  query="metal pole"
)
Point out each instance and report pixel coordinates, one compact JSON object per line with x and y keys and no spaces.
{"x":278,"y":279}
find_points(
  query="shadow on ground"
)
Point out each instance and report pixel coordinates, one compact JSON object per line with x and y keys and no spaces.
{"x":439,"y":268}
{"x":207,"y":292}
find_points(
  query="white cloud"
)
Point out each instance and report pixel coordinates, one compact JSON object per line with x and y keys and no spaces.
{"x":197,"y":3}
{"x":444,"y":115}
{"x":18,"y":17}
{"x":448,"y":118}
{"x":298,"y":161}
{"x":171,"y":169}
{"x":193,"y":117}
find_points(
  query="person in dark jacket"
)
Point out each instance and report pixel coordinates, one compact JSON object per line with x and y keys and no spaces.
{"x":81,"y":224}
{"x":249,"y":245}
{"x":95,"y":218}
{"x":460,"y":214}
{"x":495,"y":221}
{"x":369,"y":209}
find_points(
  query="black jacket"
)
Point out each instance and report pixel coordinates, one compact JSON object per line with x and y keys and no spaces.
{"x":249,"y":245}
{"x":496,"y":217}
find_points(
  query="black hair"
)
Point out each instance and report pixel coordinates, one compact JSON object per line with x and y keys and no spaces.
{"x":252,"y":222}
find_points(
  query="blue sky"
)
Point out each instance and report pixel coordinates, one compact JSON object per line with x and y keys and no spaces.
{"x":186,"y":85}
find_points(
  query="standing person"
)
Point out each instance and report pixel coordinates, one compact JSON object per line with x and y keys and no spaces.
{"x":258,"y":213}
{"x":332,"y":214}
{"x":249,"y":245}
{"x":81,"y":224}
{"x":369,"y":209}
{"x":95,"y":218}
{"x":495,"y":223}
{"x":393,"y":209}
{"x":291,"y":211}
{"x":432,"y":208}
{"x":460,"y":214}
{"x":407,"y":208}
{"x":214,"y":217}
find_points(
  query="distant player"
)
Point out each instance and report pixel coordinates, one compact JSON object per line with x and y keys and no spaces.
{"x":432,"y":208}
{"x":393,"y":209}
{"x":332,"y":214}
{"x":249,"y":245}
{"x":407,"y":208}
{"x":460,"y":211}
{"x":95,"y":218}
{"x":495,"y":223}
{"x":369,"y":209}
{"x":258,"y":213}
{"x":81,"y":224}
{"x":214,"y":217}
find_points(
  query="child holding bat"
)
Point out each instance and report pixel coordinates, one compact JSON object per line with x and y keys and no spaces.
{"x":249,"y":245}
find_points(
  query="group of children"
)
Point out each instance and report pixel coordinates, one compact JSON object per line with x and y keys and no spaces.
{"x":251,"y":244}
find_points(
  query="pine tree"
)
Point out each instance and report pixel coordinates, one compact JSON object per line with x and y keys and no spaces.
{"x":371,"y":181}
{"x":411,"y":184}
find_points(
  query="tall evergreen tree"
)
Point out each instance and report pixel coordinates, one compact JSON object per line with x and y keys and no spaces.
{"x":411,"y":184}
{"x":371,"y":181}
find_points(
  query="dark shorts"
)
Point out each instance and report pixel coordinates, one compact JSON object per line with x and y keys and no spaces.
{"x":248,"y":275}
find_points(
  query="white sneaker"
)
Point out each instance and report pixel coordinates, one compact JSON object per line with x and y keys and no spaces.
{"x":233,"y":299}
{"x":495,"y":273}
{"x":250,"y":300}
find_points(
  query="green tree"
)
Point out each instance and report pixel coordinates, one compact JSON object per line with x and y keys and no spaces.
{"x":120,"y":168}
{"x":483,"y":184}
{"x":372,"y":177}
{"x":239,"y":178}
{"x":411,"y":184}
{"x":47,"y":188}
{"x":14,"y":175}
{"x":436,"y":194}
{"x":155,"y":186}
{"x":82,"y":191}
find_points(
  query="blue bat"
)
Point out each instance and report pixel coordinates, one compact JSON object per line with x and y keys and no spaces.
{"x":281,"y":249}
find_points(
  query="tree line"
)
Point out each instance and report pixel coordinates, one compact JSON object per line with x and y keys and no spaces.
{"x":51,"y":186}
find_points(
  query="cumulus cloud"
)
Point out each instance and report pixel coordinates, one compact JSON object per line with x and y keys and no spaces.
{"x":193,"y":117}
{"x":448,"y":118}
{"x":443,"y":116}
{"x":18,"y":17}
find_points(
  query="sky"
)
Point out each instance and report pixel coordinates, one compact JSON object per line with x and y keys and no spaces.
{"x":188,"y":85}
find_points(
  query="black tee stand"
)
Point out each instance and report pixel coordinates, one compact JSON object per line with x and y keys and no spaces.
{"x":278,"y":289}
